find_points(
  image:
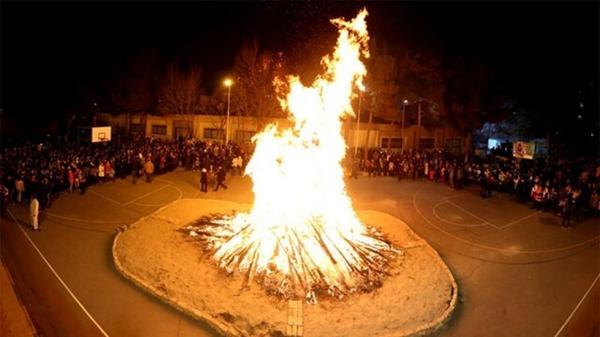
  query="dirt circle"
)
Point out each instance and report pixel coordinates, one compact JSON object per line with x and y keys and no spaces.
{"x":155,"y":254}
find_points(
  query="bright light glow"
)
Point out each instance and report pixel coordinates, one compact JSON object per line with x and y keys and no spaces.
{"x":228,"y":82}
{"x":405,"y":101}
{"x":302,"y":230}
{"x":494,"y":143}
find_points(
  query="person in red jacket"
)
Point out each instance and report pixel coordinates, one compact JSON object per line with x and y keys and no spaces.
{"x":537,"y":195}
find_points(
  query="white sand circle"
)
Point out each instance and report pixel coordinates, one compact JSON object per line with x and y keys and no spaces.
{"x":417,"y":298}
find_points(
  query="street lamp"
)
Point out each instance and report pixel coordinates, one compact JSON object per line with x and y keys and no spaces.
{"x":95,"y":117}
{"x":404,"y":103}
{"x":228,"y":83}
{"x":361,"y":90}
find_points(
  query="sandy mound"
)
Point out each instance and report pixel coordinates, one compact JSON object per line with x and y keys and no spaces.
{"x":417,"y":298}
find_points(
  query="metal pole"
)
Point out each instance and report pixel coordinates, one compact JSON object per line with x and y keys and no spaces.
{"x":227,"y":122}
{"x":419,"y":128}
{"x":357,"y":125}
{"x":403,"y":114}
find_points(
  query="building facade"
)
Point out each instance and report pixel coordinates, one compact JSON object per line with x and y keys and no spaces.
{"x":241,"y":129}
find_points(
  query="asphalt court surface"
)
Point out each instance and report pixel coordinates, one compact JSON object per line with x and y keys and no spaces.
{"x":519,"y":273}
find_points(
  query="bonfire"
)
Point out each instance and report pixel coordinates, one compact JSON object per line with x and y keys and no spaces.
{"x":302,"y":237}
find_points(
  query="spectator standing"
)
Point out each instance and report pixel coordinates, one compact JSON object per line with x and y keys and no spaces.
{"x":576,"y":203}
{"x":451,"y":176}
{"x":4,"y":198}
{"x":101,"y":172}
{"x":110,"y":172}
{"x":594,"y":199}
{"x":89,"y":172}
{"x":240,"y":163}
{"x":220,"y":178}
{"x":45,"y":192}
{"x":537,"y":196}
{"x":459,"y":176}
{"x":20,"y":188}
{"x":34,"y":212}
{"x":71,"y":177}
{"x":486,"y":189}
{"x":204,"y":180}
{"x":149,"y":170}
{"x":566,"y":212}
{"x":82,"y":180}
{"x":135,"y":168}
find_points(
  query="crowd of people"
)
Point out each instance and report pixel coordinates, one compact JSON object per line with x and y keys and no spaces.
{"x":568,"y":187}
{"x":38,"y":173}
{"x":43,"y":171}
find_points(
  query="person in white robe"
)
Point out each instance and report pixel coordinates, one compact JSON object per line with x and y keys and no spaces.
{"x":34,"y":212}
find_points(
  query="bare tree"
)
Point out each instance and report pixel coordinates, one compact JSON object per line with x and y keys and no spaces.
{"x":382,"y":86}
{"x":216,"y":107}
{"x":181,"y":90}
{"x":132,"y":87}
{"x":255,"y":72}
{"x":467,"y":94}
{"x":382,"y":83}
{"x":423,"y":85}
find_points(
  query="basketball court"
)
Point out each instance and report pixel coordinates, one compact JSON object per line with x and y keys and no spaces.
{"x":518,"y":272}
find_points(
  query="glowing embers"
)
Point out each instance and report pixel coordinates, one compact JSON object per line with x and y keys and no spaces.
{"x":298,"y":265}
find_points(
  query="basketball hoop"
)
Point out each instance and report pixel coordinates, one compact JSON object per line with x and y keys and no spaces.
{"x":101,"y":134}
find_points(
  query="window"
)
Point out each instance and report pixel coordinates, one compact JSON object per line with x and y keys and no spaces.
{"x":136,"y":128}
{"x":182,"y":132}
{"x":426,"y":143}
{"x":159,"y":129}
{"x":213,"y":133}
{"x":396,"y":143}
{"x":244,"y":135}
{"x":457,"y":142}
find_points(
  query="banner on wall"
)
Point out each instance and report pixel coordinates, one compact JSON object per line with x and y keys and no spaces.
{"x":525,"y":150}
{"x":101,"y":134}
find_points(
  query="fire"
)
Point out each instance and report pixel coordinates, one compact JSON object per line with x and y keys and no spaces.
{"x":302,"y":234}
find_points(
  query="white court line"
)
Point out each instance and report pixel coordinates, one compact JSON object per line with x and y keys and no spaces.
{"x":160,"y":205}
{"x":57,"y":276}
{"x":170,"y":182}
{"x":520,"y":219}
{"x":484,"y":221}
{"x":456,"y":196}
{"x":145,"y":195}
{"x":435,"y":213}
{"x":138,"y":198}
{"x":104,"y":197}
{"x":506,"y":250}
{"x":86,"y":220}
{"x":577,"y":306}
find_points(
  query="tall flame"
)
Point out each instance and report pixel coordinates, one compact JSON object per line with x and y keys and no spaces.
{"x":302,"y":224}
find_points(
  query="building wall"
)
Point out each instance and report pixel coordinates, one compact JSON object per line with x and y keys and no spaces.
{"x":209,"y":128}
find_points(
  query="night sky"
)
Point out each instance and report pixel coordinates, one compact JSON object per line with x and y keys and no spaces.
{"x":55,"y":53}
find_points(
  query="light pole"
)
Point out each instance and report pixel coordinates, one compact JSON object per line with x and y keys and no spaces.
{"x":228,"y":83}
{"x":94,"y":119}
{"x":418,"y":147}
{"x":404,"y":103}
{"x":361,"y":90}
